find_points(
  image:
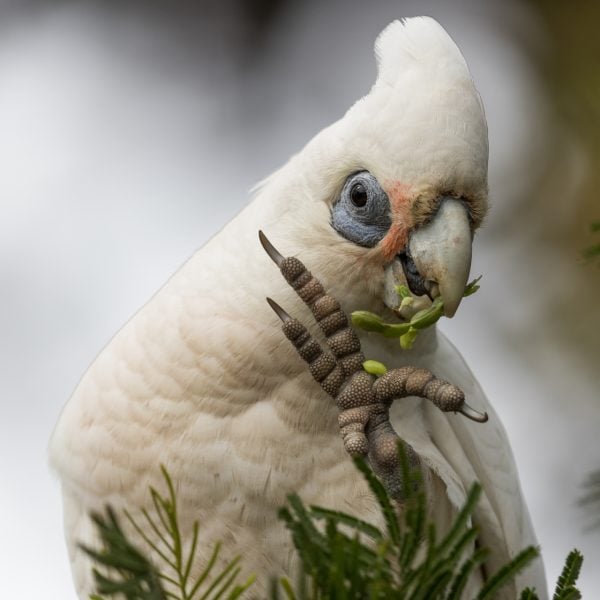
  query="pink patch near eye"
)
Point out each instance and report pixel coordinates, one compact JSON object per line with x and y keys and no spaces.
{"x":397,"y":236}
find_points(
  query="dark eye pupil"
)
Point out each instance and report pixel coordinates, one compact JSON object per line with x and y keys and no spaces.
{"x":358,"y":195}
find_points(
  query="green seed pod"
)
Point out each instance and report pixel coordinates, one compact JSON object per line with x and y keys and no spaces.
{"x":472,"y":287}
{"x":368,"y":321}
{"x":403,"y":291}
{"x":407,"y":340}
{"x":426,"y":318}
{"x":438,"y":303}
{"x":407,"y":302}
{"x":374,"y":367}
{"x":396,"y":330}
{"x":363,"y":319}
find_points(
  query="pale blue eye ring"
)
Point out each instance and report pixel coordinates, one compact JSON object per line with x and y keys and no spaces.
{"x":362,"y":212}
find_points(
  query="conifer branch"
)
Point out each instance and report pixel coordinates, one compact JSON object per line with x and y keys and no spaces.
{"x":508,"y":572}
{"x":342,"y":564}
{"x":342,"y":556}
{"x":133,"y":575}
{"x":565,"y":586}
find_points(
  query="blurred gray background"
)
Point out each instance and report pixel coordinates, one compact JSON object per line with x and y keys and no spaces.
{"x":130,"y":132}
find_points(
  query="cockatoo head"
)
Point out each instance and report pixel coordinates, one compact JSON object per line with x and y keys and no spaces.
{"x":393,"y":192}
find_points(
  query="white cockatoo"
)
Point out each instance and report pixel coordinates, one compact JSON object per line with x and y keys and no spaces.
{"x":203,"y":381}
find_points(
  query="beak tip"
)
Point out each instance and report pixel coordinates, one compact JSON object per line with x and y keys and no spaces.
{"x":450,"y":308}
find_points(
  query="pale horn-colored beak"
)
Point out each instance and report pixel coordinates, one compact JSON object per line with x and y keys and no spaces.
{"x":441,"y":251}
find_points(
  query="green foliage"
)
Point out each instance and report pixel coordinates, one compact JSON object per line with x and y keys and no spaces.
{"x":345,"y":558}
{"x":407,"y":332}
{"x":508,"y":572}
{"x":138,"y":579}
{"x":342,"y":557}
{"x":565,"y":586}
{"x":593,"y":251}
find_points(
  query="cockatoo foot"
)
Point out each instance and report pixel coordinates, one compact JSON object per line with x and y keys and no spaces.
{"x":362,"y":398}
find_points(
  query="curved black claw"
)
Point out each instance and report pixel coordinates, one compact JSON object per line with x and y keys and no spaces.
{"x":278,"y":310}
{"x":273,"y":253}
{"x":473,"y":414}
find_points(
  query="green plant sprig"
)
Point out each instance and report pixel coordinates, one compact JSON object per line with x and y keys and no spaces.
{"x":339,"y":563}
{"x":407,"y":332}
{"x":130,"y":574}
{"x":593,"y":251}
{"x":342,"y":556}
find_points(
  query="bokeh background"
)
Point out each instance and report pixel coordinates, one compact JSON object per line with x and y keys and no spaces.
{"x":130,"y":132}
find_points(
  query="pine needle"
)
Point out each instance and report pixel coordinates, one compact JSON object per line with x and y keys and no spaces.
{"x":132,"y":574}
{"x":467,"y":568}
{"x":529,"y":594}
{"x":508,"y":572}
{"x":384,"y":500}
{"x":345,"y":519}
{"x":565,"y":586}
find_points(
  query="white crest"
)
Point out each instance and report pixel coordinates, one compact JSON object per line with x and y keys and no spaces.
{"x":420,"y":42}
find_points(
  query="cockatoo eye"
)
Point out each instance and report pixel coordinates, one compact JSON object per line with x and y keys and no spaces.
{"x":362,"y":212}
{"x":358,"y":195}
